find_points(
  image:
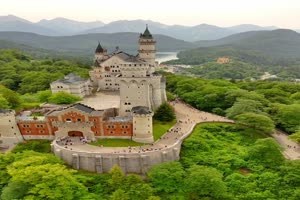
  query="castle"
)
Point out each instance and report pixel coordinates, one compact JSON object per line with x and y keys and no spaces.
{"x":141,"y":92}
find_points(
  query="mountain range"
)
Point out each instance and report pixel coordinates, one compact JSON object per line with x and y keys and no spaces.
{"x":276,"y":47}
{"x":65,"y":27}
{"x":85,"y":44}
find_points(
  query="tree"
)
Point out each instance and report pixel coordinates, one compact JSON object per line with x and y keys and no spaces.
{"x":165,"y":113}
{"x":12,"y":97}
{"x":256,"y":121}
{"x":243,"y":106}
{"x":43,"y":96}
{"x":295,"y":136}
{"x":205,"y":182}
{"x":48,"y":181}
{"x":167,"y":177}
{"x":119,"y":194}
{"x":63,"y":98}
{"x":3,"y":103}
{"x":289,"y":117}
{"x":266,"y":152}
{"x":117,"y":177}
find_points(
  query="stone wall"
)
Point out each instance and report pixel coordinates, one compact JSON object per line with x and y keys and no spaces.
{"x":138,"y":163}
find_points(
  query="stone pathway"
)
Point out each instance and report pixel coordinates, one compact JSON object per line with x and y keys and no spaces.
{"x":187,"y":118}
{"x":291,"y":149}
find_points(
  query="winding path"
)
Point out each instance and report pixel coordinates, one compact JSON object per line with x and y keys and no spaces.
{"x":187,"y":118}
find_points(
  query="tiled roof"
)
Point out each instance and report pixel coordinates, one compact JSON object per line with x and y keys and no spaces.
{"x":83,"y":107}
{"x":71,"y":79}
{"x":142,"y":110}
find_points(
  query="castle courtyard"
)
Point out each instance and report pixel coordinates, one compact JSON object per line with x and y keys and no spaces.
{"x":103,"y":100}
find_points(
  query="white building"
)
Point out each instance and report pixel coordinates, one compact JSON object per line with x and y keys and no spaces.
{"x":132,"y":75}
{"x":72,"y":84}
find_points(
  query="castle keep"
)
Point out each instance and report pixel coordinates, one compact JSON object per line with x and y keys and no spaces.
{"x":141,"y":91}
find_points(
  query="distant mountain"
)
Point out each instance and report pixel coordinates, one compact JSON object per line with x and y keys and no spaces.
{"x":86,"y":44}
{"x":68,"y":27}
{"x":202,"y":31}
{"x":62,"y":26}
{"x":278,"y":47}
{"x":250,"y":27}
{"x":13,"y":23}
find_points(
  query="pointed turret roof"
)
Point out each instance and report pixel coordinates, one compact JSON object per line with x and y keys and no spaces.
{"x":146,"y":33}
{"x":99,"y":49}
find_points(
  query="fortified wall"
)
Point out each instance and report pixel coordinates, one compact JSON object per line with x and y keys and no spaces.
{"x":135,"y":162}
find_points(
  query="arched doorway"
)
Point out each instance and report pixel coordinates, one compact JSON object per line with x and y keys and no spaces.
{"x":75,"y":134}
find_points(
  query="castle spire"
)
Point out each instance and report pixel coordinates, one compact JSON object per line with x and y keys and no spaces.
{"x":99,"y":48}
{"x":146,"y":33}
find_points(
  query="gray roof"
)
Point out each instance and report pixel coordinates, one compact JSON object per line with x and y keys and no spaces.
{"x":142,"y":110}
{"x":146,"y":34}
{"x":83,"y":107}
{"x":119,"y":119}
{"x":71,"y":79}
{"x":129,"y":58}
{"x":122,"y":55}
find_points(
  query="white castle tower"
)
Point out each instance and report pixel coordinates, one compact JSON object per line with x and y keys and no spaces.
{"x":142,"y":124}
{"x":147,"y":47}
{"x":9,"y":132}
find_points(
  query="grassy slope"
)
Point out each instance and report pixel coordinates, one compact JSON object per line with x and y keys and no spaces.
{"x":159,"y":128}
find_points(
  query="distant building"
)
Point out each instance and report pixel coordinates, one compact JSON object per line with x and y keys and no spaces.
{"x":72,"y":84}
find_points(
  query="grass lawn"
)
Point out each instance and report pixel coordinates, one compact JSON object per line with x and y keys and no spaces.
{"x":116,"y":143}
{"x":159,"y":128}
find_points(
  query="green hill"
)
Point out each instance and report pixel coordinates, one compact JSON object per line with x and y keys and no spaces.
{"x":278,"y":47}
{"x":84,"y":45}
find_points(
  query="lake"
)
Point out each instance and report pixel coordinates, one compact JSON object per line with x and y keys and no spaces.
{"x":165,"y":56}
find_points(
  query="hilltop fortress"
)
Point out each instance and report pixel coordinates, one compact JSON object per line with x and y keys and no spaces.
{"x":141,"y":91}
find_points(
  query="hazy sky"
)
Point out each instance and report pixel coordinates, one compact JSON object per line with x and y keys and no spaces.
{"x":282,"y":13}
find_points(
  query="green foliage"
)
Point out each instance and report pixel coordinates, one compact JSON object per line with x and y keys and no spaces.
{"x":160,"y":128}
{"x":170,"y":96}
{"x":232,"y":70}
{"x":235,"y":98}
{"x":10,"y":96}
{"x":21,"y":73}
{"x":256,"y":121}
{"x":4,"y":104}
{"x":43,"y":96}
{"x":165,"y":113}
{"x":205,"y":182}
{"x":42,"y":146}
{"x":167,"y":177}
{"x":243,"y":106}
{"x":288,"y":117}
{"x":252,"y":167}
{"x":63,"y":98}
{"x":266,"y":152}
{"x":295,"y":136}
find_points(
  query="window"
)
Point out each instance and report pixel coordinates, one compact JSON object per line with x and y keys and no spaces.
{"x":79,"y":120}
{"x":68,"y":120}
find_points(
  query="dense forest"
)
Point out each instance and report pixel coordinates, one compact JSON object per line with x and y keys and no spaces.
{"x":275,"y":100}
{"x":276,"y":52}
{"x":218,"y":161}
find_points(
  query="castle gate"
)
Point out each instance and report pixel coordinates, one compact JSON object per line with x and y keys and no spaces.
{"x":75,"y":134}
